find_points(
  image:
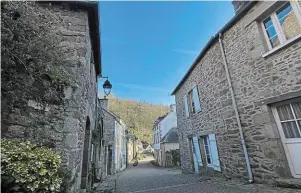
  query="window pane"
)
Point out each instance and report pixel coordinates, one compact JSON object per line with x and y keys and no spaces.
{"x":297,"y":109}
{"x":208,"y":159}
{"x":275,"y":41}
{"x":290,"y":129}
{"x":285,"y":112}
{"x":207,"y":149}
{"x":284,"y":10}
{"x":205,"y":141}
{"x":268,"y":22}
{"x":192,"y":102}
{"x":196,"y":99}
{"x":186,"y":106}
{"x":271,"y":32}
{"x":289,"y":22}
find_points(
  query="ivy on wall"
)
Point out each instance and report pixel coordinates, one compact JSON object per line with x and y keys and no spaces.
{"x":32,"y":60}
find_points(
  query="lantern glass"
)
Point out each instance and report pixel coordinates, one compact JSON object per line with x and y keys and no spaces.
{"x":107,"y":86}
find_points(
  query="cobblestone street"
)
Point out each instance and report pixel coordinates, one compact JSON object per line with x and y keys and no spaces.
{"x":150,"y":179}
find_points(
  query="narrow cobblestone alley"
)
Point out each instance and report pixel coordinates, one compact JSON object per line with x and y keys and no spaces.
{"x":151,"y":179}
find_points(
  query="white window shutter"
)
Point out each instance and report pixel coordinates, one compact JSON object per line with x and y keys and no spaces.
{"x":198,"y":151}
{"x":214,"y":153}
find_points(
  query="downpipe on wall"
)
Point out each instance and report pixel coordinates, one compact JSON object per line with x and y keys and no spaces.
{"x":251,"y":179}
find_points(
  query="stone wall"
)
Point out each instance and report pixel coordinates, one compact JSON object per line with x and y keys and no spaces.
{"x":255,"y":79}
{"x":109,"y":136}
{"x":60,"y":125}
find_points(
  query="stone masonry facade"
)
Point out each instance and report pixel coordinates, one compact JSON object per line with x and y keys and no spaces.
{"x":60,"y":126}
{"x":257,"y":82}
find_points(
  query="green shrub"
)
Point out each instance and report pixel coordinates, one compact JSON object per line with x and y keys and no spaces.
{"x":26,"y":167}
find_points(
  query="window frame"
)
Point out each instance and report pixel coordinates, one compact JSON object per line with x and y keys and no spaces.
{"x":206,"y":137}
{"x":186,"y":106}
{"x":191,"y":103}
{"x":282,"y":39}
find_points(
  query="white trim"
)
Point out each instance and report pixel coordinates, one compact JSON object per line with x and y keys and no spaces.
{"x":208,"y":144}
{"x":281,"y":46}
{"x":296,"y":10}
{"x":278,"y":28}
{"x":282,"y":136}
{"x":293,"y":111}
{"x":290,"y":164}
{"x":266,"y":36}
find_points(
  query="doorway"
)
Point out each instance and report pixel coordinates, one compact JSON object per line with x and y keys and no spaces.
{"x":288,"y":118}
{"x":85,"y":161}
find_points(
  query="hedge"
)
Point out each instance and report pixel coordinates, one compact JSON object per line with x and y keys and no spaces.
{"x":26,"y":167}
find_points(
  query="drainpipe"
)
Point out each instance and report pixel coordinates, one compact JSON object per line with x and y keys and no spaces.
{"x":251,"y":179}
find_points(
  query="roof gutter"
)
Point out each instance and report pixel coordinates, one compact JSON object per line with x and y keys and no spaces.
{"x":214,"y":38}
{"x":245,"y":152}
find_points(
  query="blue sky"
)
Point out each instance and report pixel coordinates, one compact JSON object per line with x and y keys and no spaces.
{"x":147,"y":47}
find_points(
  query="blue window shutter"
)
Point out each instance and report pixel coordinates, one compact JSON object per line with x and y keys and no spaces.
{"x":198,"y":151}
{"x":214,"y":153}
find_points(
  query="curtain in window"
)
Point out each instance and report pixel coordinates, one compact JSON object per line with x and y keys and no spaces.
{"x":290,"y":119}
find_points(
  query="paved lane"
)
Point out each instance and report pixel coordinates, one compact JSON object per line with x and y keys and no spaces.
{"x":146,"y":178}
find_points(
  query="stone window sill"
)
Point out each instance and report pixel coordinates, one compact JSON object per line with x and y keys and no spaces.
{"x":287,"y":43}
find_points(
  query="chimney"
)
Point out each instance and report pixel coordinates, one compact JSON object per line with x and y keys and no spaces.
{"x":173,"y":108}
{"x":103,"y":103}
{"x":239,"y":5}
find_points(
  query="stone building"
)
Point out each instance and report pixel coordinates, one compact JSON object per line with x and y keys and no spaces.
{"x":238,"y":106}
{"x":49,"y":89}
{"x":132,"y":149}
{"x":114,"y":137}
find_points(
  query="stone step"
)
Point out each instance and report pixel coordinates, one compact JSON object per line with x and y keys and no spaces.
{"x":288,"y":182}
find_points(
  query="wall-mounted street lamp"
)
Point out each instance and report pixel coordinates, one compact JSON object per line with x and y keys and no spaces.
{"x":107,"y":86}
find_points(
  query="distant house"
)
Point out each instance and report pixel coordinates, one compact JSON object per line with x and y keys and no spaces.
{"x":161,"y":127}
{"x":169,"y":142}
{"x":114,"y":136}
{"x":132,"y":148}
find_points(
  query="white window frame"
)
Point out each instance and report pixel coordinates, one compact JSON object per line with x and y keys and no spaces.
{"x":198,"y":99}
{"x":208,"y":144}
{"x":282,"y":39}
{"x":190,"y":100}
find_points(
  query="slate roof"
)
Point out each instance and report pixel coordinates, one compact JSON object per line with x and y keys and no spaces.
{"x":171,"y":137}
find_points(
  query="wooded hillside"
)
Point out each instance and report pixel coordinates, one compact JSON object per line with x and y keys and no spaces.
{"x":138,"y":116}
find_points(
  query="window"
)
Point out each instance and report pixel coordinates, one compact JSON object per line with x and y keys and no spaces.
{"x":186,"y":106}
{"x":283,"y":25}
{"x":207,"y":150}
{"x":194,"y":101}
{"x":290,"y":119}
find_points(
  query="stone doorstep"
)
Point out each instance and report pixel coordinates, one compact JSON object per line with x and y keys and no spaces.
{"x":288,"y":183}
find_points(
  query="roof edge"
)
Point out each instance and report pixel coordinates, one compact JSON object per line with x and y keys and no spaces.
{"x":228,"y":25}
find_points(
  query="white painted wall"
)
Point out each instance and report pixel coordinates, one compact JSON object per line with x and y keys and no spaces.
{"x":120,"y":147}
{"x":167,"y":123}
{"x":171,"y":146}
{"x":164,"y":126}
